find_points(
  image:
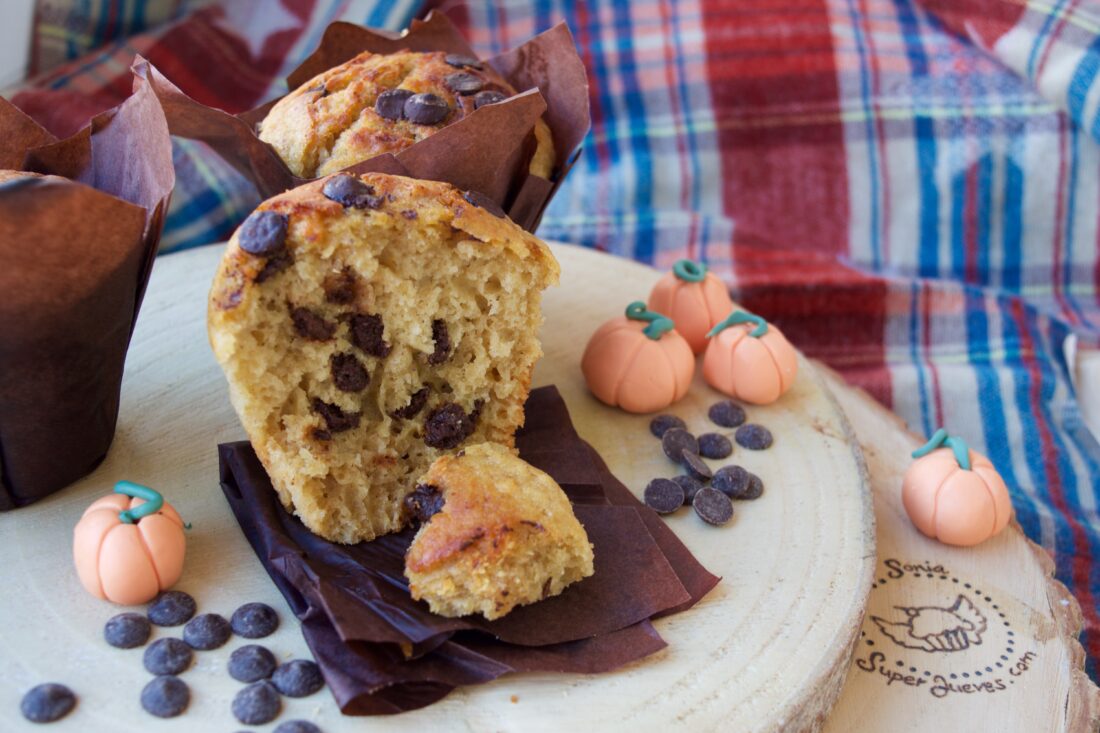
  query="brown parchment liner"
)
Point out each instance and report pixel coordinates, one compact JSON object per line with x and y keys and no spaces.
{"x":486,"y":151}
{"x":78,"y":236}
{"x":382,"y":652}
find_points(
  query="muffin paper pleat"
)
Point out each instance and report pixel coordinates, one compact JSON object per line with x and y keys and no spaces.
{"x":382,"y":652}
{"x":486,"y":151}
{"x":79,"y":231}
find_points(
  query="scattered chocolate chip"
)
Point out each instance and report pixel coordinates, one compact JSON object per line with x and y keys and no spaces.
{"x":311,"y":325}
{"x":426,"y":109}
{"x":690,"y":486}
{"x":733,"y":481}
{"x":340,"y":287}
{"x":482,"y":201}
{"x":296,"y":726}
{"x":416,"y":403}
{"x":254,"y":621}
{"x":409,"y":214}
{"x":298,"y":678}
{"x":172,"y":608}
{"x":47,"y":702}
{"x":390,"y":104}
{"x":475,"y":415}
{"x":167,"y":656}
{"x":662,"y":423}
{"x":366,"y":332}
{"x":712,"y":506}
{"x":127,"y":630}
{"x":207,"y":631}
{"x":251,"y":663}
{"x":319,"y":434}
{"x":459,"y":61}
{"x":257,"y":704}
{"x":274,"y":265}
{"x":753,"y":437}
{"x":755,"y":489}
{"x":714,"y":445}
{"x":263,"y":233}
{"x":336,"y":420}
{"x":446,"y":426}
{"x":726,"y":413}
{"x":348,"y":374}
{"x":463,"y":83}
{"x":350,"y":191}
{"x":489,"y":96}
{"x":442,"y":343}
{"x":424,"y":502}
{"x":696,"y":466}
{"x":165,"y":696}
{"x":664,"y":496}
{"x":676,"y":441}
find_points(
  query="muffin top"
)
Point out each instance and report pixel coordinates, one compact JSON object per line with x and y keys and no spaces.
{"x":383,"y":103}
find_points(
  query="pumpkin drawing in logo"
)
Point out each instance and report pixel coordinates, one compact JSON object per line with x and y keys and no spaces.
{"x":936,"y":629}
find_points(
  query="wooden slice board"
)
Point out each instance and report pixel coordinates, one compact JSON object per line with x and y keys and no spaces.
{"x":767,"y":650}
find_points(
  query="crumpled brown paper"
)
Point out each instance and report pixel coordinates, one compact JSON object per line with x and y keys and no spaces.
{"x":486,"y":151}
{"x":77,"y":244}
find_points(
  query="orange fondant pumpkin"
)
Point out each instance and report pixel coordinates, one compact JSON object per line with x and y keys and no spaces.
{"x":694,"y":299}
{"x":953,"y":494}
{"x":749,"y":359}
{"x":129,"y":546}
{"x":638,"y":361}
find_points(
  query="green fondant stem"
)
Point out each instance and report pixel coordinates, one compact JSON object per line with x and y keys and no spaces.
{"x":740,"y":317}
{"x":658,"y":325}
{"x":153,"y":501}
{"x":689,"y":271}
{"x":941,"y":439}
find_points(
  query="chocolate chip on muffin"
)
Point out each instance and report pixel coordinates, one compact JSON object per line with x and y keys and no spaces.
{"x":348,"y":373}
{"x":463,"y":83}
{"x":349,"y":191}
{"x":391,"y":103}
{"x":426,"y":109}
{"x":336,"y":420}
{"x":424,"y":502}
{"x":366,"y":332}
{"x":447,"y":426}
{"x":442,"y":343}
{"x":311,"y":325}
{"x":263,"y":233}
{"x":489,"y":96}
{"x":417,"y":400}
{"x":460,"y":61}
{"x":341,"y":287}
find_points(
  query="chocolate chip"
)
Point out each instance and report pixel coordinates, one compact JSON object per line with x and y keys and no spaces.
{"x":165,"y":696}
{"x":207,"y":631}
{"x":755,"y":488}
{"x":167,"y":656}
{"x":47,"y":702}
{"x":319,"y":434}
{"x":341,"y":287}
{"x":172,"y":608}
{"x":677,"y":440}
{"x":254,"y":621}
{"x":336,"y":420}
{"x":662,"y":423}
{"x":257,"y":704}
{"x":319,"y":89}
{"x":446,"y":426}
{"x":348,"y":374}
{"x":274,"y":265}
{"x":442,"y":343}
{"x":712,"y":506}
{"x":296,"y":726}
{"x":390,"y":104}
{"x":489,"y":96}
{"x":463,"y":83}
{"x":726,"y":413}
{"x":409,"y":214}
{"x":753,"y":437}
{"x":475,"y":414}
{"x":696,"y":467}
{"x":416,"y":403}
{"x":733,"y":481}
{"x":263,"y":233}
{"x":714,"y":445}
{"x":664,"y":496}
{"x":426,"y":109}
{"x":298,"y":678}
{"x":311,"y":325}
{"x":251,"y":663}
{"x":366,"y":331}
{"x":459,"y":61}
{"x":482,"y":201}
{"x":423,"y":502}
{"x":127,"y":630}
{"x":350,"y":191}
{"x":690,"y":486}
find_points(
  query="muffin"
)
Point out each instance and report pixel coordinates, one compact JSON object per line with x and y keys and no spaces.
{"x":496,"y":533}
{"x":383,"y":103}
{"x":367,"y":325}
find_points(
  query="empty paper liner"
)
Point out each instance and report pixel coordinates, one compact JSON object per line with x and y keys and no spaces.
{"x":486,"y":151}
{"x":383,"y":652}
{"x":80,"y":222}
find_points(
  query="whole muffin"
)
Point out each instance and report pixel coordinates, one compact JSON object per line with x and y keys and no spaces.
{"x":367,"y":325}
{"x":497,"y":533}
{"x":383,"y":103}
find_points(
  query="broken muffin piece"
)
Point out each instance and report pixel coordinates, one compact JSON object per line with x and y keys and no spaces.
{"x":496,"y":533}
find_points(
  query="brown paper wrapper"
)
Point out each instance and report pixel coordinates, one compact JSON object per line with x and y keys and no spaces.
{"x":77,"y":244}
{"x":486,"y":151}
{"x":382,"y":652}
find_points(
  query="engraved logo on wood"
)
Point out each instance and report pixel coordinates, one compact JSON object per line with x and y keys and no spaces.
{"x":936,"y":629}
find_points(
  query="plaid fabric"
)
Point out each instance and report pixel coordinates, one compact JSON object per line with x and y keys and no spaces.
{"x":909,"y":188}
